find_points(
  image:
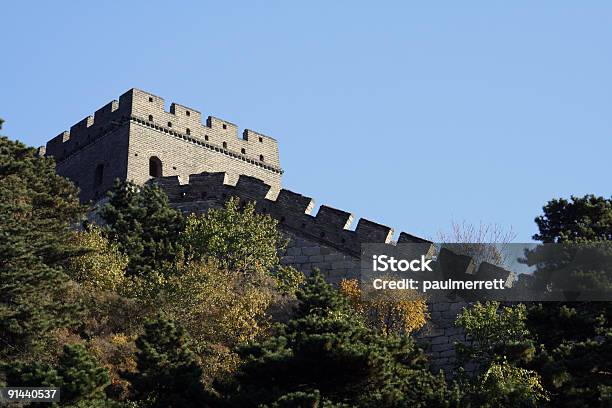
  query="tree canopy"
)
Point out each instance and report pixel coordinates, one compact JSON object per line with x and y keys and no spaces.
{"x":38,"y":210}
{"x":575,"y":337}
{"x":140,"y":220}
{"x":327,"y":353}
{"x":579,"y":219}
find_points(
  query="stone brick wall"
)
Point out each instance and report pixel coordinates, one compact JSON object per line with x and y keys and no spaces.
{"x":439,"y":334}
{"x":125,"y":134}
{"x":182,"y":157}
{"x":305,"y":254}
{"x":108,"y":153}
{"x":205,"y":164}
{"x":322,"y":241}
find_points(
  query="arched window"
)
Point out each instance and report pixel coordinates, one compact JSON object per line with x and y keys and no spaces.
{"x":99,"y":174}
{"x":155,"y":167}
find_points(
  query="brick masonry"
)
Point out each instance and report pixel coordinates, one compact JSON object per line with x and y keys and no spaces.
{"x":205,"y":164}
{"x":325,"y":241}
{"x":122,"y":137}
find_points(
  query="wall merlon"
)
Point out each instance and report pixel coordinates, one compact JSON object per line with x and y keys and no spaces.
{"x":455,"y":266}
{"x":218,"y":124}
{"x":81,"y":126}
{"x":139,"y":97}
{"x":368,"y":231}
{"x":61,"y":138}
{"x":253,"y":136}
{"x":252,"y":187}
{"x":127,"y":97}
{"x":334,"y":217}
{"x":172,"y":182}
{"x":292,"y":210}
{"x":216,"y":131}
{"x":488,"y":271}
{"x":411,"y":239}
{"x":208,"y":179}
{"x":184,"y":111}
{"x":295,"y":202}
{"x":104,"y":114}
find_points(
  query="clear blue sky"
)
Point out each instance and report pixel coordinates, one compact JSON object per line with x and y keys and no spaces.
{"x":411,"y":114}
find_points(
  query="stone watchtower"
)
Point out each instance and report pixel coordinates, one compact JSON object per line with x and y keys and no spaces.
{"x":136,"y":139}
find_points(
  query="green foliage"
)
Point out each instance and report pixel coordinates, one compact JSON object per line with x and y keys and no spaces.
{"x":219,"y":309}
{"x":82,"y":378}
{"x":224,"y":282}
{"x":217,"y":276}
{"x":581,"y":370}
{"x":326,"y":350}
{"x":288,"y":279}
{"x":504,"y":385}
{"x":497,"y":334}
{"x":552,"y":324}
{"x":239,"y":239}
{"x":399,"y":312}
{"x":103,"y":403}
{"x":304,"y":400}
{"x":102,"y":267}
{"x":35,"y":374}
{"x":77,"y":373}
{"x":582,"y":219}
{"x":110,"y":320}
{"x":569,"y":269}
{"x":142,"y":223}
{"x":167,"y":373}
{"x":584,"y":225}
{"x":501,"y":343}
{"x":576,"y":370}
{"x":574,"y":357}
{"x":37,"y":210}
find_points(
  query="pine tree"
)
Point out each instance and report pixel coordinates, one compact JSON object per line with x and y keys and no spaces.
{"x":326,"y":351}
{"x":37,"y":210}
{"x":575,"y":357}
{"x":34,"y":374}
{"x":78,"y":375}
{"x":167,"y":373}
{"x":82,"y":377}
{"x":144,"y":225}
{"x":580,"y":219}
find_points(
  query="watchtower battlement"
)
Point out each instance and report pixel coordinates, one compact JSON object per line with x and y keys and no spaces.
{"x":88,"y":129}
{"x":293,"y":211}
{"x":328,"y":228}
{"x":121,"y":138}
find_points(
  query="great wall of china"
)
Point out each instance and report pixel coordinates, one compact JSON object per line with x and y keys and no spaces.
{"x":201,"y":166}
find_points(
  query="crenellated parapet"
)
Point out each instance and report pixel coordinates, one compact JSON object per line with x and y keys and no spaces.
{"x":325,"y":241}
{"x":329,"y":226}
{"x":86,"y":131}
{"x":182,"y":122}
